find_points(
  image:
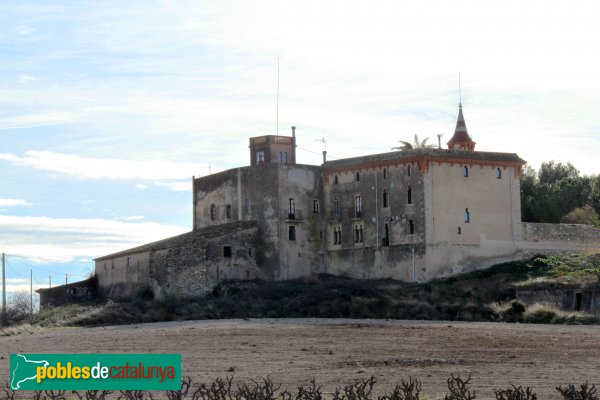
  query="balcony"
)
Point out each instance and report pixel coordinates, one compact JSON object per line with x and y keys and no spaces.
{"x":335,"y":216}
{"x":295,"y":216}
{"x":356,"y":214}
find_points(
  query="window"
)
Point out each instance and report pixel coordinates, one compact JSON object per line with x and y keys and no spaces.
{"x":249,"y":251}
{"x":336,"y":205}
{"x":357,"y":177}
{"x":292,"y":232}
{"x":129,"y":261}
{"x":291,"y":209}
{"x":213,"y":212}
{"x":466,"y":171}
{"x":248,"y":206}
{"x":260,"y":157}
{"x":386,"y":237}
{"x":337,"y":235}
{"x":409,"y":170}
{"x":467,"y":215}
{"x":358,"y":206}
{"x":409,"y":196}
{"x":358,"y":233}
{"x":459,"y":230}
{"x":227,"y":251}
{"x":335,"y":180}
{"x":385,"y":199}
{"x":283,"y":157}
{"x":228,"y":211}
{"x":384,"y":173}
{"x":411,"y":227}
{"x":316,"y":206}
{"x":498,"y":173}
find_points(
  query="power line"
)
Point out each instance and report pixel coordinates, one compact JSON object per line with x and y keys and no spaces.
{"x":49,"y":259}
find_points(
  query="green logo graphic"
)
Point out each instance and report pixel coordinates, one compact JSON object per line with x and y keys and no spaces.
{"x":95,"y":371}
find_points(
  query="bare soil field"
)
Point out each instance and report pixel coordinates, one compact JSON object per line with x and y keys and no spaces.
{"x":337,"y":352}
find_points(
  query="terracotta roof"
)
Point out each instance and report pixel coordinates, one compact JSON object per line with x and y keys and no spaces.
{"x":207,"y":233}
{"x":427,"y":153}
{"x":460,"y":132}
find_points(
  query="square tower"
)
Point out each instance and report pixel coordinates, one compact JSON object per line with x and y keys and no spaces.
{"x":270,"y":149}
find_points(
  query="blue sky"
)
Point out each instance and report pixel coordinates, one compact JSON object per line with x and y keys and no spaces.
{"x":107,"y":109}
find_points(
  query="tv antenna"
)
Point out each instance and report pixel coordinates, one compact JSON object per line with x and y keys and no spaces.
{"x":322,"y":140}
{"x":277,"y":129}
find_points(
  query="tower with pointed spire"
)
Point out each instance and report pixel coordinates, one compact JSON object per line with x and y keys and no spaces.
{"x":461,"y":139}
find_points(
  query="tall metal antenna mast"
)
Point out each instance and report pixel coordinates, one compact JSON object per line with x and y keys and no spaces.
{"x":459,"y":92}
{"x":322,"y":140}
{"x":277,"y":96}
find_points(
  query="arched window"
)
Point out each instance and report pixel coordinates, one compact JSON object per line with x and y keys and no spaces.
{"x":384,"y":173}
{"x":335,"y":180}
{"x":498,"y":173}
{"x":409,"y":170}
{"x":409,"y":196}
{"x":465,"y":171}
{"x":357,"y":177}
{"x":385,"y":198}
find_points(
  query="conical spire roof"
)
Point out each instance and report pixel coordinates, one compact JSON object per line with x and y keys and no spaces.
{"x":461,"y":136}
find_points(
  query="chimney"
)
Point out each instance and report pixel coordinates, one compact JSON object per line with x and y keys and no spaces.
{"x":324,"y":156}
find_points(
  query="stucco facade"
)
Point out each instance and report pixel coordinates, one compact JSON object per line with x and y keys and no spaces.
{"x":413,"y":215}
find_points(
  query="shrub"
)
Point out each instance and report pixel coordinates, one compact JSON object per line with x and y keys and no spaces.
{"x":586,"y":392}
{"x":459,"y":388}
{"x":145,"y":293}
{"x":515,"y":393}
{"x":407,"y":390}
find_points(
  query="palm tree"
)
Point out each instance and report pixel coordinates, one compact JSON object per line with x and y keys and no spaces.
{"x":416,"y":145}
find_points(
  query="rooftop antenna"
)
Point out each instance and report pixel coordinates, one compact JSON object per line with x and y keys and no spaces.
{"x":277,"y":130}
{"x":459,"y":92}
{"x":322,"y":140}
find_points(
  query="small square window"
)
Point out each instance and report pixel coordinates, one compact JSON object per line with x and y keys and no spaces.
{"x":227,"y":251}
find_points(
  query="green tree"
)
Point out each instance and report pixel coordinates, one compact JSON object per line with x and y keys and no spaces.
{"x":555,"y":190}
{"x":416,"y":145}
{"x":582,"y":215}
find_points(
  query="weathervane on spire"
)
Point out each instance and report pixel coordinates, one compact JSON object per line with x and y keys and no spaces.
{"x":459,"y":92}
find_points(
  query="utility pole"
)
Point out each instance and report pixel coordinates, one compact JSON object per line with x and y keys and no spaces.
{"x":66,"y":279}
{"x":50,"y":281}
{"x":3,"y":292}
{"x":31,"y":292}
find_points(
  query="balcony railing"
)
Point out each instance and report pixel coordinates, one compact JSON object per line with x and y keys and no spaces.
{"x":293,"y":216}
{"x":335,"y":215}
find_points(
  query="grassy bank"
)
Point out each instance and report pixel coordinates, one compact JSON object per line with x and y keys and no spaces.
{"x":487,"y":295}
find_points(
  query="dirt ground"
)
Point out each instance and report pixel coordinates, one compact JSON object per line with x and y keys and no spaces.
{"x":337,"y":352}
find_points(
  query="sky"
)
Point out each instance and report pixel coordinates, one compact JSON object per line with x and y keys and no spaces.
{"x":107,"y":109}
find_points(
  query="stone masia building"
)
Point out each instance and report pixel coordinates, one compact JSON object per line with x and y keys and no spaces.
{"x":411,"y":215}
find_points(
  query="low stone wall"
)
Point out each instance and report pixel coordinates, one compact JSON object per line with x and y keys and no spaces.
{"x":574,"y":234}
{"x":70,"y":293}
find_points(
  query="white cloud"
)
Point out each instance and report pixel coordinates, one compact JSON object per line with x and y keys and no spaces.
{"x":141,"y":186}
{"x":69,"y":239}
{"x":14,"y":203}
{"x":24,"y":78}
{"x":37,"y":119}
{"x":107,"y":168}
{"x":177,"y":186}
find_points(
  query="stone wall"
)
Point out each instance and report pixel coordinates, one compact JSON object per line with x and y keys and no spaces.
{"x":77,"y":291}
{"x":189,"y":264}
{"x":568,"y":235}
